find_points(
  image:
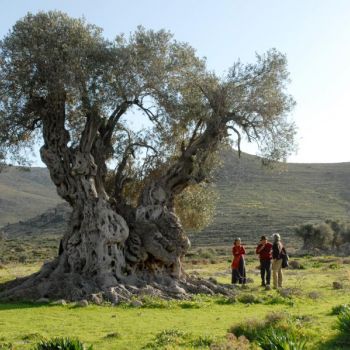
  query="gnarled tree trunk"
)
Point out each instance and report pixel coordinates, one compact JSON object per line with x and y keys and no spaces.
{"x":113,"y":252}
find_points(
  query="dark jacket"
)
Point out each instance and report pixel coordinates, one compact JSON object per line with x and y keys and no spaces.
{"x":276,"y":250}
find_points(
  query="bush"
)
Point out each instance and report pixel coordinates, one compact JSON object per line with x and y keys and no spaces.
{"x":250,"y":329}
{"x":343,"y":324}
{"x":232,"y":343}
{"x":249,"y":299}
{"x":167,"y":337}
{"x":295,"y":265}
{"x":336,"y":310}
{"x":326,"y":236}
{"x":61,"y":344}
{"x":282,"y":322}
{"x":202,"y":341}
{"x":280,"y":339}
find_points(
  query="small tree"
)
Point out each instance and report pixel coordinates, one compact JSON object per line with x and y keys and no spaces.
{"x":61,"y":81}
{"x":326,"y":236}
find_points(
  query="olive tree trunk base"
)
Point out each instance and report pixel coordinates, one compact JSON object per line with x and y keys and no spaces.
{"x":53,"y":284}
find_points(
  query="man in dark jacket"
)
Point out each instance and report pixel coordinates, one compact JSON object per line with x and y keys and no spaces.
{"x":264,"y":249}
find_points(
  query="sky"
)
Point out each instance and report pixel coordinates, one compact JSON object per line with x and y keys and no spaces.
{"x":314,"y":34}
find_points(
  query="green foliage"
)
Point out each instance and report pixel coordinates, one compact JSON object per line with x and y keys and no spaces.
{"x":196,"y":206}
{"x":6,"y":346}
{"x":250,"y":329}
{"x":338,"y":309}
{"x":61,"y":344}
{"x":202,"y":341}
{"x":232,"y":343}
{"x":281,"y":339}
{"x":249,"y":299}
{"x":343,"y":323}
{"x":60,"y":70}
{"x":279,"y":300}
{"x":325,"y":236}
{"x":167,"y":337}
{"x":254,"y":328}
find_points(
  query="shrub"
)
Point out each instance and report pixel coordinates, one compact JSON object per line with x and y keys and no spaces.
{"x":276,"y":317}
{"x":254,"y":329}
{"x":336,"y":310}
{"x":167,"y":337}
{"x":249,"y":299}
{"x":250,"y":329}
{"x":343,"y":324}
{"x":61,"y":344}
{"x":314,"y":295}
{"x":202,"y":341}
{"x":278,"y":299}
{"x":325,"y":236}
{"x":232,"y":343}
{"x":280,"y":339}
{"x":295,"y":265}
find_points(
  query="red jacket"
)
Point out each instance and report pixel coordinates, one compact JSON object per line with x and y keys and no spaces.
{"x":237,"y":253}
{"x":266,"y":252}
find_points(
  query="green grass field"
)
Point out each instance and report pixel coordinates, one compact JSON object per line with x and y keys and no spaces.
{"x":308,"y":298}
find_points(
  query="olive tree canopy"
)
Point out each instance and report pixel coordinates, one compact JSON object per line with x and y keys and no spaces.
{"x":63,"y":83}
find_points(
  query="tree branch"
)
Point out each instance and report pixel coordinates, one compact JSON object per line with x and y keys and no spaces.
{"x":239,"y":139}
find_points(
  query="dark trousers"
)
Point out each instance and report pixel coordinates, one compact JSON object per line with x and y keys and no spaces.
{"x":265,"y":269}
{"x":238,"y":275}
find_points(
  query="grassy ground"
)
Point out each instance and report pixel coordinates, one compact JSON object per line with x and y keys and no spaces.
{"x":308,"y":297}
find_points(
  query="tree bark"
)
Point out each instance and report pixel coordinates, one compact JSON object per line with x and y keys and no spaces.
{"x":139,"y":251}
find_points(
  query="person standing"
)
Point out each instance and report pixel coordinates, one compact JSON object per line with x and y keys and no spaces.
{"x":264,"y":249}
{"x":277,"y":248}
{"x":238,"y":263}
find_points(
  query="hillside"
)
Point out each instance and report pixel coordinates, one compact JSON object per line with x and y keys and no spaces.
{"x":25,"y":194}
{"x":254,"y":200}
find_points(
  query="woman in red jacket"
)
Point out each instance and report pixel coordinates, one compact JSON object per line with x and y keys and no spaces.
{"x":238,"y":263}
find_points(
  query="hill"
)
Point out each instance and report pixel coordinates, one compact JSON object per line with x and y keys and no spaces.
{"x":254,"y":200}
{"x":25,"y":193}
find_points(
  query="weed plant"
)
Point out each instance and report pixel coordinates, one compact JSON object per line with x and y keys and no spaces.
{"x":343,"y":323}
{"x":286,"y":331}
{"x":281,"y":339}
{"x":338,"y":309}
{"x":61,"y":344}
{"x":173,"y":337}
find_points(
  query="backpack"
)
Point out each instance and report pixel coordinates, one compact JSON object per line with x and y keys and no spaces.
{"x":285,"y":258}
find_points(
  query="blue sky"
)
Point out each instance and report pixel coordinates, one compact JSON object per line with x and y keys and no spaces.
{"x":315,"y":35}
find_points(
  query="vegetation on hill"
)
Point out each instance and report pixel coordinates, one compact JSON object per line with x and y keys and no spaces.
{"x":256,"y":200}
{"x":329,"y":236}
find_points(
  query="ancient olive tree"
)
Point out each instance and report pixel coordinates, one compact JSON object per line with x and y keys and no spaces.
{"x":63,"y":82}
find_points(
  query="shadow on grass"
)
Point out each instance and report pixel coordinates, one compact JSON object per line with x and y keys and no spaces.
{"x":21,"y":305}
{"x":336,"y":343}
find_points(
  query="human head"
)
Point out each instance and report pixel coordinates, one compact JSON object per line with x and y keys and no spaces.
{"x":276,"y":237}
{"x":263,"y":239}
{"x":237,"y":241}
